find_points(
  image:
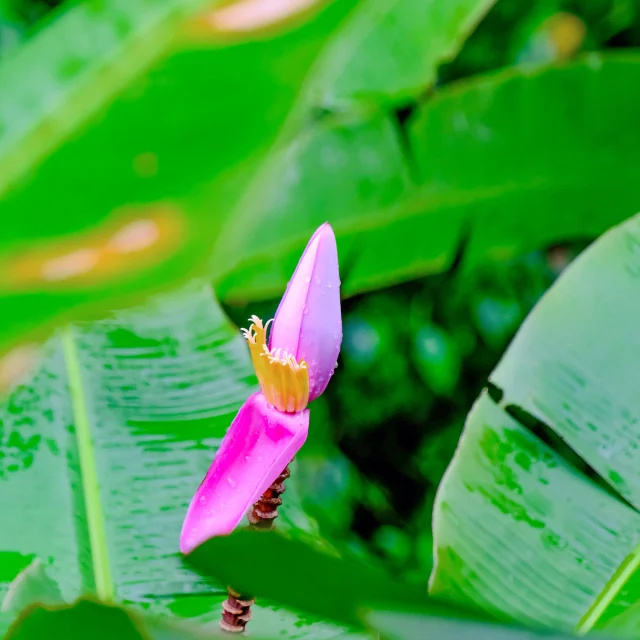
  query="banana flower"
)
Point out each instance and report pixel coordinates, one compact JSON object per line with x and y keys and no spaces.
{"x":294,"y":356}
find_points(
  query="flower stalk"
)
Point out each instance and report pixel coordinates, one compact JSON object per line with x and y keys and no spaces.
{"x":236,"y":609}
{"x":236,"y":612}
{"x":265,"y":511}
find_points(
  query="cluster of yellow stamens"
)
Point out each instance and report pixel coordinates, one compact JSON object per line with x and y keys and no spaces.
{"x":284,"y":381}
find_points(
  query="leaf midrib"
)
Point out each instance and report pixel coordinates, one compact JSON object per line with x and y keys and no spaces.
{"x":88,"y":471}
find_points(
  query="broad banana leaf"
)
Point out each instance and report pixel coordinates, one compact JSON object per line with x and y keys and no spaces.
{"x":536,"y":519}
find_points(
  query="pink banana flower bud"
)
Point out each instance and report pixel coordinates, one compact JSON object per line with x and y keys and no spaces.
{"x":308,"y":322}
{"x":293,"y":367}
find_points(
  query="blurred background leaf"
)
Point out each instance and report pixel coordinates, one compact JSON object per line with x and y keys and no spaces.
{"x":389,"y":51}
{"x":460,"y":172}
{"x":388,"y":171}
{"x":102,"y":203}
{"x":156,"y":191}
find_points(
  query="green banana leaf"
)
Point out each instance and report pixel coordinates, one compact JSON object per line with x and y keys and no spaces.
{"x":322,"y":579}
{"x":536,"y":518}
{"x":31,"y":585}
{"x":102,"y":451}
{"x":411,"y":625}
{"x":133,"y":129}
{"x":96,"y":620}
{"x":388,"y":51}
{"x":334,"y":584}
{"x":486,"y":168}
{"x":90,"y":619}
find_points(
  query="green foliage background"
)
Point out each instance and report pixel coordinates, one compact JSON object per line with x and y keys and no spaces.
{"x":444,"y":252}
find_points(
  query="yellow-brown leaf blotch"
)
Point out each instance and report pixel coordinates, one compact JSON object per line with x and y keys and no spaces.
{"x":134,"y":238}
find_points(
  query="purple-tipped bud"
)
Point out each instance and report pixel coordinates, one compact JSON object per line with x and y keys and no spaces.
{"x":308,"y":322}
{"x":259,"y":444}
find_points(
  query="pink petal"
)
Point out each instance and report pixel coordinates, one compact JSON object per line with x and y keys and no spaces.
{"x":308,"y":322}
{"x":259,"y":444}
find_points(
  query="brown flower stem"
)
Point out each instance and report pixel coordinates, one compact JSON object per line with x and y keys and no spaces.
{"x":236,"y":612}
{"x":236,"y":609}
{"x":265,"y":511}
